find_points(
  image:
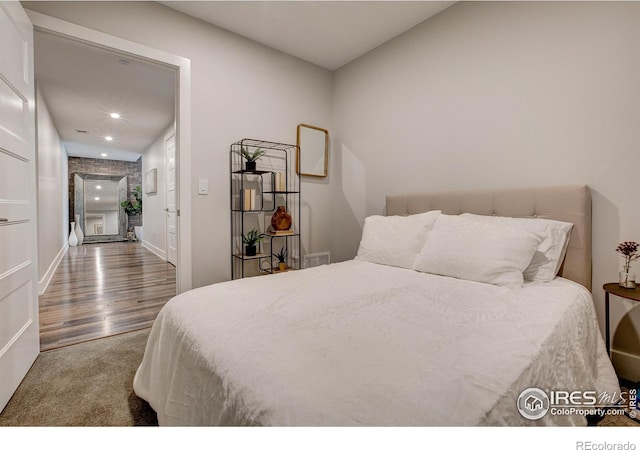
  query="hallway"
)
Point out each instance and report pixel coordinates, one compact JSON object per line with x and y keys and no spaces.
{"x":101,"y":290}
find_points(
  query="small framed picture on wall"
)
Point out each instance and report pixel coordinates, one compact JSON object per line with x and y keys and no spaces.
{"x":150,"y":182}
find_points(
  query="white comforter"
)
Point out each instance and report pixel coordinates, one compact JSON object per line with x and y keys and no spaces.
{"x":357,"y":343}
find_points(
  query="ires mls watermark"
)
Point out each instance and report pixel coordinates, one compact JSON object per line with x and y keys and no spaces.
{"x":534,"y":403}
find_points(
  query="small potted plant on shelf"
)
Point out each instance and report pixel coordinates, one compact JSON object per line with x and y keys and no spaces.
{"x":251,"y":158}
{"x":250,"y":240}
{"x":628,"y":249}
{"x":282,"y":259}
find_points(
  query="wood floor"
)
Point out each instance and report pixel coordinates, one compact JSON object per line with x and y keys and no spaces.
{"x":101,"y":290}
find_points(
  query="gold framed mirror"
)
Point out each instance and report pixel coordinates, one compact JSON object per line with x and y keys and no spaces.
{"x":312,"y":159}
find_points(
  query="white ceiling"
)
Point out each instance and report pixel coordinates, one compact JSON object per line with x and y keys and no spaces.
{"x":82,"y":85}
{"x":326,"y":33}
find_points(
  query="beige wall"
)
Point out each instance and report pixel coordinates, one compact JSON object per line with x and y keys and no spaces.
{"x":53,"y":209}
{"x":483,"y":95}
{"x":239,"y":89}
{"x":489,"y":95}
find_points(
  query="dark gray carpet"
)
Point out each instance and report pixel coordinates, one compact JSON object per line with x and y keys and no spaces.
{"x":91,"y":384}
{"x":88,"y":384}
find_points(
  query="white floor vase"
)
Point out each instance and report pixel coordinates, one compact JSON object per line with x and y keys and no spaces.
{"x":79,"y":233}
{"x":138,"y":231}
{"x":73,"y":239}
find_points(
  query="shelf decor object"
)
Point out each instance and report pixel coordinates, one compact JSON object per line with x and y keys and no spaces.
{"x":280,"y":182}
{"x":628,"y":249}
{"x":251,"y":240}
{"x":251,"y":157}
{"x":281,"y":220}
{"x":280,"y":232}
{"x":282,"y":259}
{"x":265,"y":202}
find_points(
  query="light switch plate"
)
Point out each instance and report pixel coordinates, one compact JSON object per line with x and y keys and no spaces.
{"x":203,"y":186}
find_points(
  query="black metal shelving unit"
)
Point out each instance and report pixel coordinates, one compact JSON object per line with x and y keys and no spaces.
{"x":262,"y":187}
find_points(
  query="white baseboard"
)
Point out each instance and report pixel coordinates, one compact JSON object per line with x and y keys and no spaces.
{"x":627,"y":365}
{"x":155,"y":250}
{"x":43,"y":284}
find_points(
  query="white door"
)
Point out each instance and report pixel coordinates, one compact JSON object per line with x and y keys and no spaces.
{"x":172,"y":228}
{"x":19,"y":339}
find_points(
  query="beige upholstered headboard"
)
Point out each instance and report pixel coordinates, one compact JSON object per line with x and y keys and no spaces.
{"x":565,"y":203}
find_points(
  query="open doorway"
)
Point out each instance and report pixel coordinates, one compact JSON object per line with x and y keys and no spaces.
{"x":112,"y":112}
{"x":182,"y":66}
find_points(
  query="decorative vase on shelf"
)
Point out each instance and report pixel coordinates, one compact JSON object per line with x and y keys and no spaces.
{"x":250,"y":250}
{"x":281,"y":220}
{"x":79,"y":233}
{"x":73,"y":239}
{"x":627,"y":279}
{"x":250,"y":166}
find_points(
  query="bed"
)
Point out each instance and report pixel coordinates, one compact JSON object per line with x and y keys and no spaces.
{"x":360,"y":343}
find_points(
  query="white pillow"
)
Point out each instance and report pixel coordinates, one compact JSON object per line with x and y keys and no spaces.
{"x":547,"y":260}
{"x":467,"y":249}
{"x":395,"y":240}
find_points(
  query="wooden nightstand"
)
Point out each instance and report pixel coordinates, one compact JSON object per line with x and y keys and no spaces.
{"x":616,"y":289}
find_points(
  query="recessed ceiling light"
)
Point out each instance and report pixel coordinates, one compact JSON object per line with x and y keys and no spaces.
{"x":115,"y":115}
{"x":98,"y":187}
{"x":108,"y":138}
{"x":82,"y":131}
{"x":104,"y":155}
{"x":96,"y":198}
{"x":125,"y":62}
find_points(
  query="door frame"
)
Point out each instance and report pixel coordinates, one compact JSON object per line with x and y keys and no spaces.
{"x":182,"y":66}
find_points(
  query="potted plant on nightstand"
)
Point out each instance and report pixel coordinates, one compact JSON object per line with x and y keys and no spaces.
{"x":282,"y":259}
{"x":251,"y":158}
{"x":628,"y":249}
{"x":133,"y":207}
{"x":250,"y":240}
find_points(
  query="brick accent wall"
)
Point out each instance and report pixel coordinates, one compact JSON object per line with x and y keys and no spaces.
{"x":133,"y":171}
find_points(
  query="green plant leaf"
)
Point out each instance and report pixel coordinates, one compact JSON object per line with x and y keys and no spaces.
{"x":256,"y":155}
{"x":133,"y":207}
{"x":252,"y":237}
{"x":281,"y":255}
